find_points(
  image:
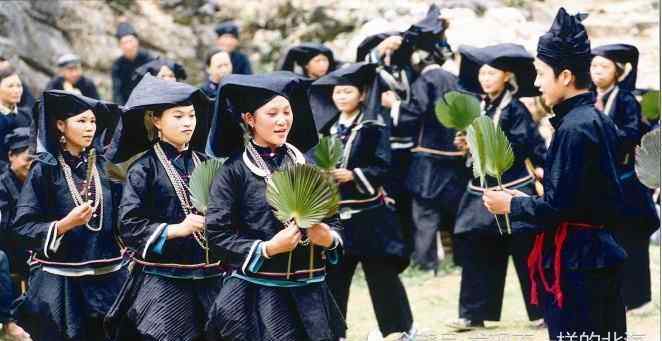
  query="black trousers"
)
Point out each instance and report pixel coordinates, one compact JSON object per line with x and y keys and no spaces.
{"x":429,"y":217}
{"x":6,"y":289}
{"x":388,"y":295}
{"x":396,"y":189}
{"x":592,"y":305}
{"x":484,"y":269}
{"x":636,"y":289}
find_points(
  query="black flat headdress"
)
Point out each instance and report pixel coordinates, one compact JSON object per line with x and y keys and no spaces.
{"x":360,"y":75}
{"x":506,"y":57}
{"x":239,"y":94}
{"x":154,"y":94}
{"x":623,"y":54}
{"x":303,"y":53}
{"x":60,"y":105}
{"x":566,"y":44}
{"x":154,"y":67}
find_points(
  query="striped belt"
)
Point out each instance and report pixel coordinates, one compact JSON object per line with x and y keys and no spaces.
{"x":431,"y":151}
{"x":351,"y":207}
{"x":519,"y":183}
{"x":298,"y":274}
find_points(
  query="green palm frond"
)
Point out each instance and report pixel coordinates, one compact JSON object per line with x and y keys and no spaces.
{"x":328,"y":153}
{"x":476,"y":142}
{"x":457,"y":110}
{"x":650,"y":105}
{"x":200,"y":183}
{"x":491,"y":151}
{"x":302,"y":193}
{"x":118,"y":171}
{"x":647,"y":161}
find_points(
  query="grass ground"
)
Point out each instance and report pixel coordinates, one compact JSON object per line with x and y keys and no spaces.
{"x":434,"y":301}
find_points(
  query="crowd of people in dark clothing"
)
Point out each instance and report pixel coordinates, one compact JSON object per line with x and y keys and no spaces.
{"x":100,"y":239}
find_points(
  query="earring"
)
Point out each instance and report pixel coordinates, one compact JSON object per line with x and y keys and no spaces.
{"x":63,"y":140}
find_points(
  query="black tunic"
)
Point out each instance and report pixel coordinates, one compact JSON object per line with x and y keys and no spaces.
{"x":122,"y":74}
{"x":625,"y":111}
{"x":10,"y":188}
{"x":581,"y":186}
{"x":84,"y":84}
{"x":239,"y":217}
{"x":371,"y":228}
{"x":437,"y":169}
{"x":240,"y":63}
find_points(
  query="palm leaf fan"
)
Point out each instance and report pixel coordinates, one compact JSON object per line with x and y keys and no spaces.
{"x":457,"y":110}
{"x":302,"y":193}
{"x":328,"y":153}
{"x":647,"y":162}
{"x":200,"y":183}
{"x":650,"y":106}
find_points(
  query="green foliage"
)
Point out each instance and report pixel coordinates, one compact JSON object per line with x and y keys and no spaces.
{"x":647,"y":160}
{"x":650,"y":105}
{"x":201,"y":181}
{"x":118,"y":171}
{"x":457,"y":110}
{"x":328,"y":153}
{"x":490,"y":150}
{"x":304,"y":194}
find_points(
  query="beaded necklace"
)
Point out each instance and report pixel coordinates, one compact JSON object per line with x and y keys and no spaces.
{"x":181,"y":189}
{"x":78,"y":198}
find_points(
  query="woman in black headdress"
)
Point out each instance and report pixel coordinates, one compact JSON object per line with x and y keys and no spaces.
{"x":174,"y":279}
{"x":341,"y":104}
{"x":161,"y":68}
{"x":502,"y":73}
{"x":614,"y":74}
{"x":315,"y":60}
{"x":67,"y":217}
{"x":264,"y":298}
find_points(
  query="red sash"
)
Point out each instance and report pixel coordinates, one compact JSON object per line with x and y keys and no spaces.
{"x":535,"y":262}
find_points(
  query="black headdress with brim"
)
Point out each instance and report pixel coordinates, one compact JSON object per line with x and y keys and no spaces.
{"x":60,"y":105}
{"x":153,"y":95}
{"x":566,"y":44}
{"x":18,"y":138}
{"x":239,"y":94}
{"x":506,"y":57}
{"x":302,"y":54}
{"x":227,"y":27}
{"x":360,"y":75}
{"x":623,"y":54}
{"x":425,"y":35}
{"x":154,"y":67}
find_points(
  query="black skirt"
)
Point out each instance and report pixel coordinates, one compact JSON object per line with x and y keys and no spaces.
{"x":152,"y":307}
{"x":245,"y":311}
{"x":68,"y":308}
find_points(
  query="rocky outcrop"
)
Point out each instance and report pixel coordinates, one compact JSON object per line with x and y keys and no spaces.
{"x":34,"y":33}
